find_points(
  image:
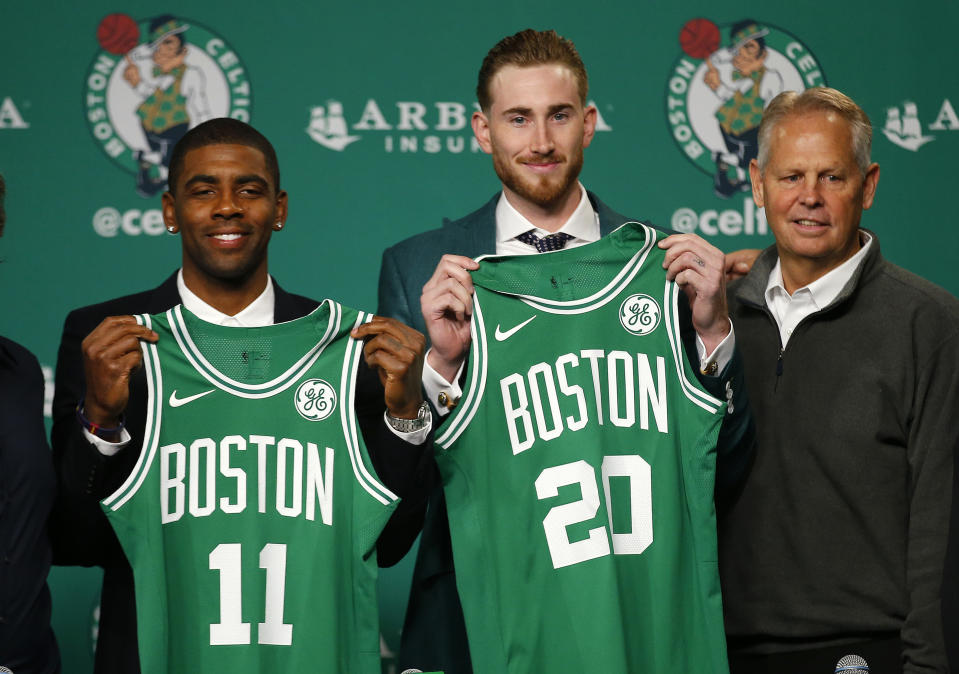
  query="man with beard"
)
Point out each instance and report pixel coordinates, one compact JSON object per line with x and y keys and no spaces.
{"x":535,"y":123}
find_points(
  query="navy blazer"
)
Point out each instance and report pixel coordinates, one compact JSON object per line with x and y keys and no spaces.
{"x":81,"y":532}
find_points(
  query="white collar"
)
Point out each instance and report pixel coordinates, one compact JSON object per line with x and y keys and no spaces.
{"x":257,"y":313}
{"x":582,"y":224}
{"x":828,"y":286}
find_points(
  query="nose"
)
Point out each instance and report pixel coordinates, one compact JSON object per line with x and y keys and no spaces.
{"x":227,"y":206}
{"x":811,"y":196}
{"x":542,"y":140}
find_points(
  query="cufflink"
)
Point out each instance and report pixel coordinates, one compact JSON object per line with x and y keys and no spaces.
{"x":445,"y":400}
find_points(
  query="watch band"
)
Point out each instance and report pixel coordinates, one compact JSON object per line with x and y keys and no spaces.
{"x":409,"y":425}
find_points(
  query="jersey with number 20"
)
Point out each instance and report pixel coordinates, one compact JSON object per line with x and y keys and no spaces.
{"x":579,"y":469}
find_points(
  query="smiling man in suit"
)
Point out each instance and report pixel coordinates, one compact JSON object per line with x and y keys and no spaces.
{"x":225,"y":203}
{"x":536,"y":124}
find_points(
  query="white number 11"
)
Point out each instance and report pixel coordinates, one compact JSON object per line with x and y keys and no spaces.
{"x":231,"y":630}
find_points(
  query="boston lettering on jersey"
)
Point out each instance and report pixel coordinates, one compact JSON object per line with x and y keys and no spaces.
{"x":201,"y":477}
{"x":618,"y":387}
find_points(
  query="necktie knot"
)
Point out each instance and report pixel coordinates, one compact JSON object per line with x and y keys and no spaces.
{"x":547,"y":243}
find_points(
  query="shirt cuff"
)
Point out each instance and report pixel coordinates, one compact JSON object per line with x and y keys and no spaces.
{"x":106,"y":447}
{"x":435,"y":386}
{"x":721,"y":355}
{"x":413,"y":437}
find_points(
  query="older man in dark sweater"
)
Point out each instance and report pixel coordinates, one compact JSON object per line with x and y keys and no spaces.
{"x":836,"y":544}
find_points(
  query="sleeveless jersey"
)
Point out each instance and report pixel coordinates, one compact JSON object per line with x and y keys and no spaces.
{"x":251,"y":517}
{"x":579,"y":469}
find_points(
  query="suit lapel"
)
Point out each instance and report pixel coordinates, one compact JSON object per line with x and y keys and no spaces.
{"x":165,"y":296}
{"x":608,"y":218}
{"x":288,"y":307}
{"x":479,"y":230}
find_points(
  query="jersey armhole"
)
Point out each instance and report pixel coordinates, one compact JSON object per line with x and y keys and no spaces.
{"x":359,"y":458}
{"x":475,"y":387}
{"x":692,"y":388}
{"x":151,"y":431}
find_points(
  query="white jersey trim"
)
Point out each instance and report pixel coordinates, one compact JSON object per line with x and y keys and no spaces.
{"x":605,"y":294}
{"x":151,"y":435}
{"x":251,"y":391}
{"x":691,"y":387}
{"x":477,"y":386}
{"x":351,"y":360}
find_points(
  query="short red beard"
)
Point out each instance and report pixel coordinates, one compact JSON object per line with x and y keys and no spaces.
{"x":544,"y":191}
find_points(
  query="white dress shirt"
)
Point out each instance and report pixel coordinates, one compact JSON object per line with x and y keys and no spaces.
{"x":788,"y":311}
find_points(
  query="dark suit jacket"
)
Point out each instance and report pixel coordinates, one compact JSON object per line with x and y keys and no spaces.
{"x":434,"y":633}
{"x":27,"y":490}
{"x":83,"y":536}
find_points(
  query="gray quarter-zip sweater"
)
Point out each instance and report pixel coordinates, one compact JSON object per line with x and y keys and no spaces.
{"x":839,"y":533}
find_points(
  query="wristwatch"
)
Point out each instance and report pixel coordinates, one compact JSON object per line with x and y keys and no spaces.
{"x":409,"y":425}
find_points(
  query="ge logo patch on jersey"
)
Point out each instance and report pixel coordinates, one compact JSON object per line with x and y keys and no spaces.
{"x":639,"y":314}
{"x":315,"y":400}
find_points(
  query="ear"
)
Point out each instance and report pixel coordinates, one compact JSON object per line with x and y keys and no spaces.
{"x":589,"y":124}
{"x":757,"y":180}
{"x":281,"y":211}
{"x":168,"y":205}
{"x":869,"y":185}
{"x":481,"y":131}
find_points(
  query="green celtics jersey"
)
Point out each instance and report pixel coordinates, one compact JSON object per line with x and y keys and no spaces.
{"x":579,"y":469}
{"x":251,"y":517}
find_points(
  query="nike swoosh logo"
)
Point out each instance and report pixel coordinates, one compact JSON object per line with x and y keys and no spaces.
{"x":502,"y":336}
{"x":177,"y":402}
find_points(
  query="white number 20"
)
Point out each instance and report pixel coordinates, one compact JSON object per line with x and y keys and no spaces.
{"x":597,"y":544}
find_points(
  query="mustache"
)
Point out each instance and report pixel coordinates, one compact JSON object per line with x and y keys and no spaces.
{"x":551,"y":159}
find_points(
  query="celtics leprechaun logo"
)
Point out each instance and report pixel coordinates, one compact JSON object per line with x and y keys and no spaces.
{"x":717,"y":93}
{"x":152,"y":81}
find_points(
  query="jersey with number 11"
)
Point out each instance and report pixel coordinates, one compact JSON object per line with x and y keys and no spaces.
{"x":579,"y":469}
{"x":251,"y":518}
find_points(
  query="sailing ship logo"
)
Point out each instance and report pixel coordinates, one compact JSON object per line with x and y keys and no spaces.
{"x":904,"y":129}
{"x":328,"y":127}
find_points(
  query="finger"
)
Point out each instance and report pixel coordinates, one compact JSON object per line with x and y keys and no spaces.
{"x":392,"y":367}
{"x":112,"y":352}
{"x":389,"y":344}
{"x":382,"y":325}
{"x":450,"y":299}
{"x":122,"y":325}
{"x":695,"y":249}
{"x":455,"y":266}
{"x":450,"y":305}
{"x":687,"y":261}
{"x":391,"y":361}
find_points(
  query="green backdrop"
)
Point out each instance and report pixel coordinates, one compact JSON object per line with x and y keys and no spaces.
{"x":368,"y":107}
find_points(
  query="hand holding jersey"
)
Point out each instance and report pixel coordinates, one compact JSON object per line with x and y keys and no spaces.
{"x":395,"y":351}
{"x":693,"y":263}
{"x":447,"y":305}
{"x":111,"y":353}
{"x":699,"y":269}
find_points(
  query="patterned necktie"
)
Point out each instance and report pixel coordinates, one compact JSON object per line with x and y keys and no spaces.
{"x":547,"y":243}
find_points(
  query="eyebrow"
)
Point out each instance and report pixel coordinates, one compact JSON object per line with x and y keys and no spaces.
{"x":213,"y":180}
{"x":559,"y":107}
